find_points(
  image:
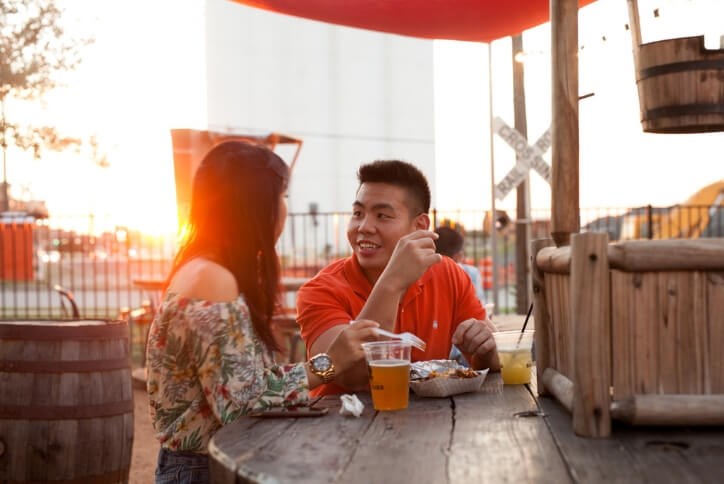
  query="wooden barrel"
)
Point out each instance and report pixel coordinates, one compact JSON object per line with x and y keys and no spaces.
{"x":66,"y":401}
{"x":680,"y":86}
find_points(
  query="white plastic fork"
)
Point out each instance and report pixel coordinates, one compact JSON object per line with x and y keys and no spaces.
{"x":413,"y":339}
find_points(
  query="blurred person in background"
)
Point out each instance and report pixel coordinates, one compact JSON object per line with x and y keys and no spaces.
{"x":451,"y":243}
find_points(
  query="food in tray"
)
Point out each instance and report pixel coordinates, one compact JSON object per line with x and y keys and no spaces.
{"x":454,"y":373}
{"x":442,"y":378}
{"x":425,"y":370}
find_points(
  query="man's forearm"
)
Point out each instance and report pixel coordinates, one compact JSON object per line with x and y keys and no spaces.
{"x":382,"y":304}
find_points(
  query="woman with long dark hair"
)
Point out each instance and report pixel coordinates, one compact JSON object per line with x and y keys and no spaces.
{"x":210,"y":346}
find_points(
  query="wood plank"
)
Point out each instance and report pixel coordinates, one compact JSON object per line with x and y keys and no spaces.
{"x":554,"y":259}
{"x":414,"y":442}
{"x":631,"y":454}
{"x":668,"y":334}
{"x":715,"y":330}
{"x":647,"y":323}
{"x":667,"y":255}
{"x":561,"y":322}
{"x":497,"y":443}
{"x":591,"y":324}
{"x":560,"y":387}
{"x":565,"y":217}
{"x":671,"y":410}
{"x":541,"y":316}
{"x":623,"y":328}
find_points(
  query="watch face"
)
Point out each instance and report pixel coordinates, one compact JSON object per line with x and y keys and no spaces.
{"x":322,"y":363}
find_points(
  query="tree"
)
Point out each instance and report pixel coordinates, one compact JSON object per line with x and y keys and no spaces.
{"x":34,"y":49}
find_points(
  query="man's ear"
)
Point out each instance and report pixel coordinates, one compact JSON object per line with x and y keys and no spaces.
{"x":422,"y":222}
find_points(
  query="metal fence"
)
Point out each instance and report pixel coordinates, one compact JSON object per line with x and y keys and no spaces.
{"x":42,"y":264}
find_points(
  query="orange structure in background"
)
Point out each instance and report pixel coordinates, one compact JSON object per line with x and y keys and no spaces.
{"x":16,"y":250}
{"x":190,"y":146}
{"x":486,"y":270}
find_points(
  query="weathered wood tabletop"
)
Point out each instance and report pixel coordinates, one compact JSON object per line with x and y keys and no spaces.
{"x":499,"y":434}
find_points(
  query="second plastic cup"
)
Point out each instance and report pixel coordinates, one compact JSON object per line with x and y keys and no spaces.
{"x":514,"y":352}
{"x":389,"y":367}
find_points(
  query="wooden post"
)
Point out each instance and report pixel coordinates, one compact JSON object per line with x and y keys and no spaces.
{"x":540,"y":315}
{"x":564,"y":66}
{"x":591,"y":320}
{"x":635,"y":28}
{"x":522,"y":212}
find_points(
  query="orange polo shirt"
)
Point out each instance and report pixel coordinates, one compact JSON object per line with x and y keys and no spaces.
{"x":431,"y":308}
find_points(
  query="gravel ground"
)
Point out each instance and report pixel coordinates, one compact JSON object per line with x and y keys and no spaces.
{"x":145,"y":445}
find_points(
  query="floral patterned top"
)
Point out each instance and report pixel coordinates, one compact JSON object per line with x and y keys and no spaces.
{"x":207,"y":367}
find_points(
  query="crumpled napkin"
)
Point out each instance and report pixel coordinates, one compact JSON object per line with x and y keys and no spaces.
{"x":351,"y":405}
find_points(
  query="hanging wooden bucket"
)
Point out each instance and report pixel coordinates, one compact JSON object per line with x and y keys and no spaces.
{"x":680,"y":85}
{"x":66,"y":402}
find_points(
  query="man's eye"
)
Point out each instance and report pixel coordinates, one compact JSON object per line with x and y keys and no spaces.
{"x":356,"y":214}
{"x":383,"y":215}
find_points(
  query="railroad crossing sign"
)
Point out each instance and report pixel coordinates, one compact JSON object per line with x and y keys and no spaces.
{"x":528,"y":157}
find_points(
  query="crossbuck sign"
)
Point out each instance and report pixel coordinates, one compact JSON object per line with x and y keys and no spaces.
{"x":528,"y":157}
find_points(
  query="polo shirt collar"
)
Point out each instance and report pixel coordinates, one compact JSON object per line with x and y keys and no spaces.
{"x":362,"y":287}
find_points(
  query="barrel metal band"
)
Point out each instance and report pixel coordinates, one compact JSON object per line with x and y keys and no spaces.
{"x":119,"y":475}
{"x":75,"y":366}
{"x":65,"y":412}
{"x":683,"y":110}
{"x":674,"y":67}
{"x":115,"y":330}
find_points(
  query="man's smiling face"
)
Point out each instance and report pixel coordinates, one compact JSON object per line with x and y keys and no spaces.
{"x":380,"y":217}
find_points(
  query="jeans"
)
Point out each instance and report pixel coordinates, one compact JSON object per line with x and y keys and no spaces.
{"x":182,"y":467}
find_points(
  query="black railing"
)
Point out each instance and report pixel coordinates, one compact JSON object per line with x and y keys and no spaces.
{"x":42,"y":267}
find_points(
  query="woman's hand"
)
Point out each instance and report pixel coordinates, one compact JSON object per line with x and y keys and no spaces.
{"x":348,"y":356}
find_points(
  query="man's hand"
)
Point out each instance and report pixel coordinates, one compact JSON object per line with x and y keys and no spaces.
{"x":413,"y":255}
{"x":475,"y":339}
{"x":348,"y":356}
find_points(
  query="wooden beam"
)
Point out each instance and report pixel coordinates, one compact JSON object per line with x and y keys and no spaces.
{"x":541,"y":318}
{"x":591,"y":321}
{"x":565,"y":209}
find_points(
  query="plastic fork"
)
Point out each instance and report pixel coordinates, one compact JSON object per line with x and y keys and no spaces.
{"x":406,"y":336}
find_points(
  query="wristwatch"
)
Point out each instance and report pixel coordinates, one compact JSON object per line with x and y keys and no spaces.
{"x":322,"y":366}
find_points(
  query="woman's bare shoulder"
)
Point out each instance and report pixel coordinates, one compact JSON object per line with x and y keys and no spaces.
{"x":204,"y":279}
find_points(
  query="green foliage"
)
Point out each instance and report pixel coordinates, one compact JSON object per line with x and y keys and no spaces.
{"x":34,"y":49}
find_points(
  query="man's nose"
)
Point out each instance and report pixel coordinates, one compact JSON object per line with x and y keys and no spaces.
{"x":366,"y":225}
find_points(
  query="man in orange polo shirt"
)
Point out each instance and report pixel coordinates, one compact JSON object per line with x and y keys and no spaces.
{"x":395,"y":278}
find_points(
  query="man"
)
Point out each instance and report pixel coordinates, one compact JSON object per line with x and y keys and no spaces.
{"x":395,"y":278}
{"x":451,"y":243}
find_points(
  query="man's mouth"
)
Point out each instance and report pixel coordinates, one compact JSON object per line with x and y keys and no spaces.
{"x":367,"y":247}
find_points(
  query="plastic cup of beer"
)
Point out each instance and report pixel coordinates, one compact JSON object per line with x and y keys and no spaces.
{"x":514,"y":352}
{"x":389,"y":367}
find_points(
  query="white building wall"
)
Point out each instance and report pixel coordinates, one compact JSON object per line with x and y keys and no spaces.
{"x":353,"y":96}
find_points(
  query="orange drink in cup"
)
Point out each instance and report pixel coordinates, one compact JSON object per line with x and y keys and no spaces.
{"x":514,"y":352}
{"x":389,"y":368}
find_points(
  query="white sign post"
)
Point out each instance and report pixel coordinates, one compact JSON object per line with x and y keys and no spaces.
{"x":528,"y":157}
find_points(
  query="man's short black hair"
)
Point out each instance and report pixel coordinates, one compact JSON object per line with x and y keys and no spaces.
{"x":402,"y":174}
{"x":449,"y":241}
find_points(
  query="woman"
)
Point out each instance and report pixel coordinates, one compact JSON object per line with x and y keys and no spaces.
{"x":210,"y":346}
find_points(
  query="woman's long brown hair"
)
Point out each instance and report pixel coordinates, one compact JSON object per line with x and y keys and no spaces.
{"x":234,"y":212}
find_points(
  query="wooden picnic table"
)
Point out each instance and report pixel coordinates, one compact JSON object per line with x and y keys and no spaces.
{"x":499,"y":434}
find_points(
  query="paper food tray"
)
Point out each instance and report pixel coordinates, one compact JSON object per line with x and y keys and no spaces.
{"x":444,"y":387}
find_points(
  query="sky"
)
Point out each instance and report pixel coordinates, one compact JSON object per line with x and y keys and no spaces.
{"x":145,"y":74}
{"x":620,"y":165}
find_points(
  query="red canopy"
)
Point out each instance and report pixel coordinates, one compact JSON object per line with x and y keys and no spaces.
{"x":472,"y":20}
